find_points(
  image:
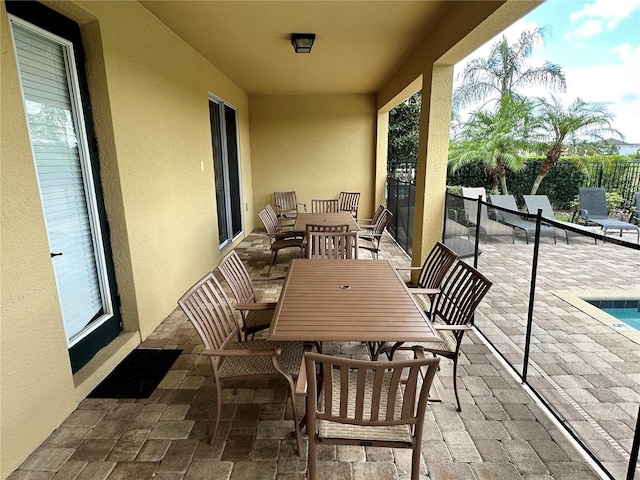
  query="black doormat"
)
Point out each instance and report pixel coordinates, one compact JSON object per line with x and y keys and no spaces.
{"x":138,"y":375}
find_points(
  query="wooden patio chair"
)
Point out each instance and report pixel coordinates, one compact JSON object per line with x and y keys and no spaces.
{"x":332,"y":245}
{"x":370,"y":236}
{"x":367,"y":403}
{"x":256,"y":315}
{"x":432,"y":272}
{"x":452,"y":315}
{"x":287,"y":207}
{"x":208,"y":308}
{"x":370,"y":222}
{"x":349,"y":202}
{"x":279,"y":240}
{"x":285,"y":226}
{"x":324,"y":206}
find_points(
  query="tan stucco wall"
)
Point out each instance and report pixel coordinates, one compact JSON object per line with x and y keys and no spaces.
{"x":316,"y":145}
{"x":149,"y":96}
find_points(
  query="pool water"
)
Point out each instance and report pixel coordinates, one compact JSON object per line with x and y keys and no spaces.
{"x":629,"y":315}
{"x":627,"y":311}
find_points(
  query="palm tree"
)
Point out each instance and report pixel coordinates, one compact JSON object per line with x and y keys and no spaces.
{"x":504,"y":72}
{"x":495,"y":138}
{"x":586,"y":125}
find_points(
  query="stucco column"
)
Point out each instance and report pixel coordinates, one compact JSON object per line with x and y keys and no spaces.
{"x":382,"y":146}
{"x":431,"y":170}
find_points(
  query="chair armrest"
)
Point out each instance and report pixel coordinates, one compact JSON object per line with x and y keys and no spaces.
{"x":452,"y":327}
{"x":408,"y":268}
{"x":301,"y":381}
{"x":267,"y":279}
{"x":434,"y":396}
{"x":423,"y":291}
{"x":286,"y":235}
{"x":255,"y":306}
{"x":304,"y":205}
{"x":367,"y":226}
{"x":242,"y":353}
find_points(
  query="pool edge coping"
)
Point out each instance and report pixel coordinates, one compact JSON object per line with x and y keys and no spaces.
{"x":577,"y":298}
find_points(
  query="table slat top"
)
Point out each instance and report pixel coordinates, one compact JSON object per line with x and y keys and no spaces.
{"x":329,"y":219}
{"x":347,"y":300}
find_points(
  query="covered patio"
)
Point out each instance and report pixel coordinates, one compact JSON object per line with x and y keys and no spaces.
{"x":500,"y":433}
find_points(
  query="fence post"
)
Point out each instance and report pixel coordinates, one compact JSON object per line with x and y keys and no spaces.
{"x":532,"y":296}
{"x":477,"y":242}
{"x":633,"y":460}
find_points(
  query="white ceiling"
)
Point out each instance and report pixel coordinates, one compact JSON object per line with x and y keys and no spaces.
{"x":358,"y":44}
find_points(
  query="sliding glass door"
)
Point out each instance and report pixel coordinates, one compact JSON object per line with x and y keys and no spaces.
{"x":226,"y":166}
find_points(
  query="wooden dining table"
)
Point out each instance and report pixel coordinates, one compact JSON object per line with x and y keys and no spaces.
{"x":348,"y":300}
{"x":327,"y":219}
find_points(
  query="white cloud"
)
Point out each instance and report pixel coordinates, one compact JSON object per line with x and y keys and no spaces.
{"x":587,"y":29}
{"x":599,"y":16}
{"x":613,"y":84}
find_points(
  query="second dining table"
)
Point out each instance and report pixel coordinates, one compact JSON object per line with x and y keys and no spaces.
{"x":348,"y":300}
{"x":327,"y":219}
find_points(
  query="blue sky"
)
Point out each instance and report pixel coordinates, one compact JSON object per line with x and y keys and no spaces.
{"x":597,"y":44}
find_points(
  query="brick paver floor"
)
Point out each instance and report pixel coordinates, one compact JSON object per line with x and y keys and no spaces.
{"x":501,"y":433}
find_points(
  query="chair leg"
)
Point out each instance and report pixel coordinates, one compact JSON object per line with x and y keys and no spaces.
{"x":273,"y":260}
{"x":415,"y":462}
{"x":455,"y":382}
{"x":292,"y":394}
{"x":312,"y":460}
{"x":218,"y":412}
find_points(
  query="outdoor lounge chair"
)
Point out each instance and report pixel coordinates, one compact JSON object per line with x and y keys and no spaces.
{"x":207,"y":307}
{"x":365,"y":403}
{"x":635,"y":216}
{"x":541,"y":202}
{"x":490,"y":228}
{"x":593,"y":208}
{"x":516,"y":221}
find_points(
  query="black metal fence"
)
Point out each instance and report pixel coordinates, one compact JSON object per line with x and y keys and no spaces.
{"x":561,"y":353}
{"x":401,"y":195}
{"x":560,"y":185}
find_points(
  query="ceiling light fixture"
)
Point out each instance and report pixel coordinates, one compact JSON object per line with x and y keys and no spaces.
{"x":302,"y":42}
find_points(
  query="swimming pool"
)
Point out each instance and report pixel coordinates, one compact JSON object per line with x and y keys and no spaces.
{"x":627,"y":311}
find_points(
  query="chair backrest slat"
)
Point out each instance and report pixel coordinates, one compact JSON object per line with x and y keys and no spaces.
{"x":349,"y":202}
{"x":332,"y":245}
{"x":208,"y":308}
{"x":370,"y":393}
{"x":324,"y":206}
{"x":460,"y":293}
{"x":236,"y":275}
{"x":270,"y":224}
{"x":436,"y":266}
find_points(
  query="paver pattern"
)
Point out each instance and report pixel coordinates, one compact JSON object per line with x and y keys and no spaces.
{"x":501,"y":433}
